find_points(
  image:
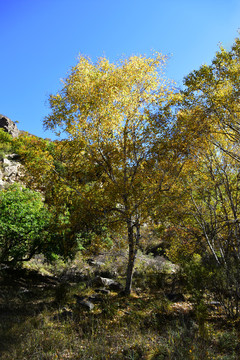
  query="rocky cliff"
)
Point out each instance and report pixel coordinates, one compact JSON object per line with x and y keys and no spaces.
{"x":8,"y":125}
{"x":9,"y":170}
{"x":9,"y":164}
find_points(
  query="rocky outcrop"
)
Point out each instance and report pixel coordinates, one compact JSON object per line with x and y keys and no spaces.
{"x":9,"y":170}
{"x":9,"y":164}
{"x":8,"y":125}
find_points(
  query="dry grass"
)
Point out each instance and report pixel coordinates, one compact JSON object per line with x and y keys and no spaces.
{"x":41,"y":320}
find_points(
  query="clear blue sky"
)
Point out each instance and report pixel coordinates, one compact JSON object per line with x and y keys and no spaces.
{"x":40,"y":40}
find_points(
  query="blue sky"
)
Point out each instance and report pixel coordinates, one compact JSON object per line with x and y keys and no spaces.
{"x":41,"y":39}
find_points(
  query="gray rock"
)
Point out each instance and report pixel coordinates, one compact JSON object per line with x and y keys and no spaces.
{"x":10,"y":171}
{"x":95,"y":263}
{"x":109,"y":283}
{"x":8,"y":126}
{"x":83,"y":302}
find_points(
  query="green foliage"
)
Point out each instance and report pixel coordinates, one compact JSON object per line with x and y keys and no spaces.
{"x":228,"y":341}
{"x":94,"y":242}
{"x":6,"y":143}
{"x":24,"y":222}
{"x":198,"y":279}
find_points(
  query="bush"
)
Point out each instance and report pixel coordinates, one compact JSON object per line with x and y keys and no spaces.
{"x":6,"y":143}
{"x":24,"y":224}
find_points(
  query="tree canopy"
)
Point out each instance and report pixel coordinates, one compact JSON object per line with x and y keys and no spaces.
{"x":212,"y":96}
{"x":122,"y":147}
{"x":133,"y":151}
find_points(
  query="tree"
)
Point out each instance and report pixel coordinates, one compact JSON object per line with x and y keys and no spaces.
{"x":212,"y":97}
{"x":51,"y":167}
{"x":215,"y":199}
{"x":208,"y":226}
{"x":120,"y":136}
{"x":24,"y":224}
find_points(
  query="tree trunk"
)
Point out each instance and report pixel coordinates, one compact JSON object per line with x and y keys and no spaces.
{"x":133,"y":242}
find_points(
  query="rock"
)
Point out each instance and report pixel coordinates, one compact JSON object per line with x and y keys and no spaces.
{"x":95,"y":263}
{"x":213,"y":305}
{"x":83,"y":302}
{"x":105,"y":273}
{"x":109,"y":283}
{"x":8,"y":126}
{"x":11,"y":169}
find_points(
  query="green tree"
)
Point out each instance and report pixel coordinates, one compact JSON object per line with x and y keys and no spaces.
{"x":24,"y":224}
{"x":66,"y":183}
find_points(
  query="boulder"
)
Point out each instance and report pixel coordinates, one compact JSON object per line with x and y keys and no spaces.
{"x":109,"y":283}
{"x":8,"y":126}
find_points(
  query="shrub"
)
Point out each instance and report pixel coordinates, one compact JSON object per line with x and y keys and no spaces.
{"x":24,"y":223}
{"x":6,"y":144}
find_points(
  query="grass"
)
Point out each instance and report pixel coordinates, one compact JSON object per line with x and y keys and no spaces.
{"x":40,"y":319}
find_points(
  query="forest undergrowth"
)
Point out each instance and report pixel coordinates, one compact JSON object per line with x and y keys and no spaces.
{"x":40,"y":318}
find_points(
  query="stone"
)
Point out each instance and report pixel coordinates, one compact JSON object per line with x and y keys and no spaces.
{"x":92,"y":262}
{"x":11,"y":170}
{"x":8,"y":126}
{"x":83,"y":302}
{"x":109,"y":283}
{"x":105,"y":273}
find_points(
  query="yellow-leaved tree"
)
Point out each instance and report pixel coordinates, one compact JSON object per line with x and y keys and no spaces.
{"x":212,"y":98}
{"x":118,"y":127}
